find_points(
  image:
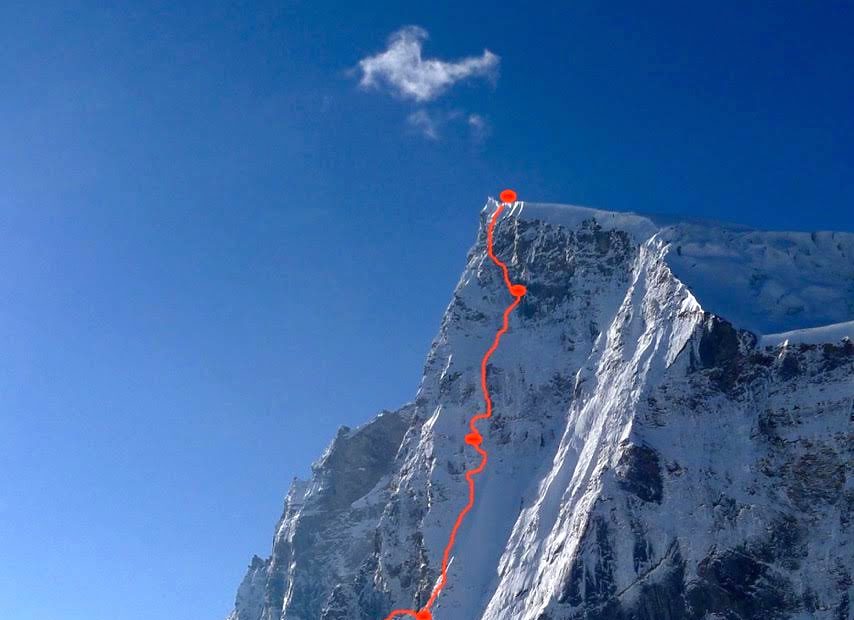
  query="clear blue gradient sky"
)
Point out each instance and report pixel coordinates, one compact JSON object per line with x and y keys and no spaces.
{"x":217,"y":248}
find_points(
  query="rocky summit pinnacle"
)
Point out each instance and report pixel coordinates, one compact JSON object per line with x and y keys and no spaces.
{"x":671,"y":439}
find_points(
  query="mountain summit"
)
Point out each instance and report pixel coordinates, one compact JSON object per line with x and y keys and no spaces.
{"x":671,"y":439}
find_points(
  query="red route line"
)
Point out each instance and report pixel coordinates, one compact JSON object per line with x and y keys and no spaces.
{"x":474,"y":438}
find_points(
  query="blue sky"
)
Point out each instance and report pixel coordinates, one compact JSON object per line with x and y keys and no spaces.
{"x":218,"y":246}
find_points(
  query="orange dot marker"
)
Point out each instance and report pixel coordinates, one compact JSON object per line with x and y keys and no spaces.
{"x":424,"y":614}
{"x":474,"y":439}
{"x":508,"y":195}
{"x":518,"y":290}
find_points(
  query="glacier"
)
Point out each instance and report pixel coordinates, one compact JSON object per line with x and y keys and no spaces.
{"x":672,"y":438}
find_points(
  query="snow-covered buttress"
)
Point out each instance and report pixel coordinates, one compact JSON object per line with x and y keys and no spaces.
{"x":672,"y":439}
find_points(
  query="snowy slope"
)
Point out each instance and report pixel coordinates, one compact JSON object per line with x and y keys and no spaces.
{"x":834,"y":333}
{"x":653,"y":455}
{"x":764,"y":281}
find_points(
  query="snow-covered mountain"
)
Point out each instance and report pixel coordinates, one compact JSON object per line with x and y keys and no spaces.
{"x":672,"y":439}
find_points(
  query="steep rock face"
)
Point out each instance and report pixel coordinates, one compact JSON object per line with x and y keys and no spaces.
{"x":327,"y":527}
{"x":752,"y":463}
{"x":647,"y":458}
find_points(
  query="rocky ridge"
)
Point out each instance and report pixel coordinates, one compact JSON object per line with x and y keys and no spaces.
{"x":656,"y":451}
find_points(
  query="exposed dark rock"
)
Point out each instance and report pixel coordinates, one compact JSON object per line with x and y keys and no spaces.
{"x":661,"y":592}
{"x":815,"y":479}
{"x":356,"y":461}
{"x":638,"y":472}
{"x":657,"y":595}
{"x":835,"y":356}
{"x":790,"y":366}
{"x":641,"y":550}
{"x":735,"y":585}
{"x":591,"y":578}
{"x":720,"y":352}
{"x":783,"y":542}
{"x":719,"y":343}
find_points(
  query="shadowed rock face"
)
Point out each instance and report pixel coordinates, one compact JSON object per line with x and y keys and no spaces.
{"x":718,"y":345}
{"x":357,"y":461}
{"x":326,"y":529}
{"x":734,"y":583}
{"x":721,"y":349}
{"x":649,"y":459}
{"x":591,"y":584}
{"x":639,"y":473}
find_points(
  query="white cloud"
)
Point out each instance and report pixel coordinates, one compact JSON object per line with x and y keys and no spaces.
{"x":406,"y":73}
{"x":424,"y":123}
{"x":431,"y":123}
{"x":480,"y":128}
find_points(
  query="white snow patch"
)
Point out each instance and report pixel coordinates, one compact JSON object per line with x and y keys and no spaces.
{"x":763,"y":281}
{"x":817,"y":335}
